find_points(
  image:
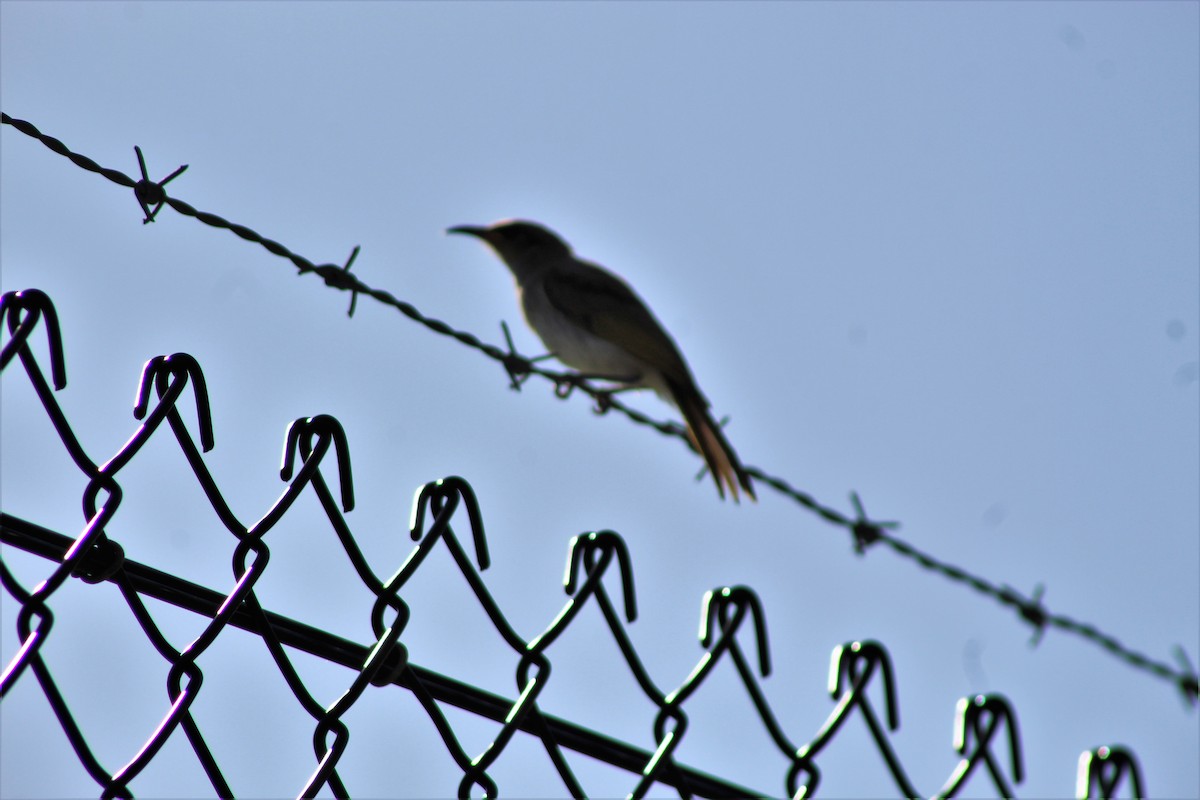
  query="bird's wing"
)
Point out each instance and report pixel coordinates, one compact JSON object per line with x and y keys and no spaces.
{"x":615,"y":313}
{"x":604,"y":305}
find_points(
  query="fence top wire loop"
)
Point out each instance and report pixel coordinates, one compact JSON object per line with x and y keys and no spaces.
{"x":593,"y":552}
{"x":165,"y":372}
{"x":169,"y":377}
{"x":725,"y":608}
{"x":23,"y":310}
{"x":977,"y":721}
{"x":850,"y":669}
{"x":325,"y":430}
{"x":443,"y":496}
{"x":1102,"y":770}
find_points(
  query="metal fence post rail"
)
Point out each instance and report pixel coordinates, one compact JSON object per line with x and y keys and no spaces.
{"x":733,"y":618}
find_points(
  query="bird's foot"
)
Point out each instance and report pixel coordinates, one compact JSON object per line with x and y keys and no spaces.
{"x":567,"y":383}
{"x":604,"y":400}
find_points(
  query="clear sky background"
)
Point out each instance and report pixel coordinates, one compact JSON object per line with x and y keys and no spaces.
{"x":944,"y":255}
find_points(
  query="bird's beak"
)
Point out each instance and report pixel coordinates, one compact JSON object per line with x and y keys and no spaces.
{"x":472,"y":230}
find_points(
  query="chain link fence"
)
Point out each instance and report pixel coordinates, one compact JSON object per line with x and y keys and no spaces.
{"x":733,"y":628}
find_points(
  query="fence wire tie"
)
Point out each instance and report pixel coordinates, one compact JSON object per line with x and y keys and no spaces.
{"x":101,"y":561}
{"x":151,"y":193}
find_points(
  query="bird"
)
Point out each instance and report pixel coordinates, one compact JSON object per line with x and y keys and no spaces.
{"x":591,"y":320}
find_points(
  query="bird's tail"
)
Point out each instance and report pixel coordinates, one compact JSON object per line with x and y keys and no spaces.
{"x":706,"y":436}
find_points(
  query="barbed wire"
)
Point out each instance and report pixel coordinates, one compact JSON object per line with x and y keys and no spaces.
{"x":151,"y":196}
{"x":984,"y":724}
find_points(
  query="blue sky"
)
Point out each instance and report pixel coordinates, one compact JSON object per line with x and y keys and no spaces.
{"x":945,"y":255}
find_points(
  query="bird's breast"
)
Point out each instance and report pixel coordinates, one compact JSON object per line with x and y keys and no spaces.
{"x":566,"y":336}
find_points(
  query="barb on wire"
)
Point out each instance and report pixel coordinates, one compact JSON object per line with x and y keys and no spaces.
{"x":152,"y":193}
{"x":863,"y":531}
{"x":353,"y":292}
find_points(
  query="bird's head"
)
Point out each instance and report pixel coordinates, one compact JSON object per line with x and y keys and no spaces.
{"x":522,"y":244}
